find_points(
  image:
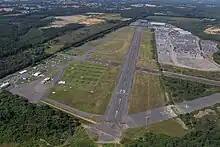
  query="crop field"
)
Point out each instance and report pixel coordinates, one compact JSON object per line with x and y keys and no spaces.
{"x":146,"y":93}
{"x":114,"y":46}
{"x":88,"y":87}
{"x":146,"y":51}
{"x":169,"y":127}
{"x":214,"y":75}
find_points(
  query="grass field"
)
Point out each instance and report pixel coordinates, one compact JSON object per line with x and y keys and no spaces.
{"x":105,"y":16}
{"x":193,"y":72}
{"x":113,"y":46}
{"x":79,"y":51}
{"x":82,"y":139}
{"x":146,"y":57}
{"x":169,"y":127}
{"x":88,"y":87}
{"x":146,"y":93}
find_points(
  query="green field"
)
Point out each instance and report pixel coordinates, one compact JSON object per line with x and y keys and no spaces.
{"x":169,"y":127}
{"x":182,"y":90}
{"x":147,"y":51}
{"x":88,"y":87}
{"x":146,"y":93}
{"x":113,"y":46}
{"x":215,"y":75}
{"x":79,"y":51}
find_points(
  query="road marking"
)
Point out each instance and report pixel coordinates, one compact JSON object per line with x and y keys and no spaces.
{"x":116,"y":113}
{"x":54,"y":106}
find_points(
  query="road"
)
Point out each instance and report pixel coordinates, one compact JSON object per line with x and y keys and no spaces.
{"x":181,"y":76}
{"x":151,"y":116}
{"x":118,"y":107}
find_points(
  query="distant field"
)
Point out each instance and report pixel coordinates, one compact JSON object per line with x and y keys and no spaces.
{"x":113,"y":46}
{"x":77,"y":51}
{"x":61,"y":21}
{"x":204,"y":74}
{"x":106,"y":16}
{"x":169,"y":127}
{"x":146,"y":93}
{"x":88,"y":87}
{"x":74,"y":36}
{"x":146,"y":51}
{"x":170,"y":19}
{"x":182,"y":90}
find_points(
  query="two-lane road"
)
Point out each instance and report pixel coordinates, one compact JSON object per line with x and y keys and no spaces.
{"x":118,"y":107}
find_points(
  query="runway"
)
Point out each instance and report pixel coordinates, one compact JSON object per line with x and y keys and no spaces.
{"x":118,"y":107}
{"x":166,"y":112}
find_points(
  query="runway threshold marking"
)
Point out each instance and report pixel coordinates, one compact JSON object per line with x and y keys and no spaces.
{"x":83,"y":118}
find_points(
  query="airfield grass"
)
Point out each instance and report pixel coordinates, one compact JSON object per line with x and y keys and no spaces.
{"x":50,"y":49}
{"x":168,"y":127}
{"x":146,"y":93}
{"x":110,"y":16}
{"x":214,"y":75}
{"x":114,"y":46}
{"x":145,"y":55}
{"x":88,"y":87}
{"x":80,"y":51}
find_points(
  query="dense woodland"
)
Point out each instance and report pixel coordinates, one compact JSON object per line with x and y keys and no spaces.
{"x":181,"y":90}
{"x":27,"y":125}
{"x":22,"y":42}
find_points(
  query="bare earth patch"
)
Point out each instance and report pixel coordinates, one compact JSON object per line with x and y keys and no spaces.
{"x":62,"y":21}
{"x":213,"y":30}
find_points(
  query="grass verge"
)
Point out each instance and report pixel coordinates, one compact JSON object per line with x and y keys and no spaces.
{"x":146,"y":51}
{"x":147,"y":93}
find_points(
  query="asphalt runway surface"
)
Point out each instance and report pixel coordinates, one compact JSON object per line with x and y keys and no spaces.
{"x":197,"y":104}
{"x":118,"y":107}
{"x":151,"y":116}
{"x":165,"y":113}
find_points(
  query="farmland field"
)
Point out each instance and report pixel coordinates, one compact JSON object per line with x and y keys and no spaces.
{"x":146,"y":93}
{"x":146,"y":51}
{"x":88,"y":87}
